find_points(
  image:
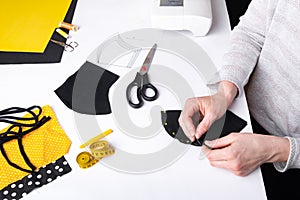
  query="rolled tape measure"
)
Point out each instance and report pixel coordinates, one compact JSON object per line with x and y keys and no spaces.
{"x":86,"y":160}
{"x":99,"y":149}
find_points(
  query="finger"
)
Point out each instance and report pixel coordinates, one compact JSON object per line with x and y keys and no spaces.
{"x":219,"y":154}
{"x":205,"y":150}
{"x":186,"y":118}
{"x":189,"y":129}
{"x":222,"y":149}
{"x":221,"y":164}
{"x":203,"y":126}
{"x":220,"y":142}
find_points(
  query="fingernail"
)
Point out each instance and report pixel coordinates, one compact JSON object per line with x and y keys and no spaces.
{"x":192,"y":139}
{"x":209,"y":143}
{"x":207,"y":146}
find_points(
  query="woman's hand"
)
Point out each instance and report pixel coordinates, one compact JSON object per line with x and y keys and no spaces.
{"x":242,"y":153}
{"x":209,"y":108}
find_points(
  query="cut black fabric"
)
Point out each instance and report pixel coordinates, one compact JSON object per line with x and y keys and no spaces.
{"x":7,"y":115}
{"x":52,"y":54}
{"x":220,"y":128}
{"x":35,"y":180}
{"x":86,"y":91}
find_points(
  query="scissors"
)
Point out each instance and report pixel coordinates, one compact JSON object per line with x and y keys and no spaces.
{"x":67,"y":47}
{"x":141,"y":81}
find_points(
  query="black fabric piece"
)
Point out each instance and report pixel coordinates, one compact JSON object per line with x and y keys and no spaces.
{"x":5,"y":116}
{"x":226,"y":124}
{"x":52,"y":54}
{"x":35,"y":180}
{"x":86,"y":91}
{"x":236,"y":8}
{"x":278,"y":185}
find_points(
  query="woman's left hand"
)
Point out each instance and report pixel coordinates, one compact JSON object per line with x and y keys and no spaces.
{"x":242,"y":153}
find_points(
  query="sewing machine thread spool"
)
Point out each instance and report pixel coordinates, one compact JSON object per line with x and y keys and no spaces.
{"x":69,"y":26}
{"x":62,"y":33}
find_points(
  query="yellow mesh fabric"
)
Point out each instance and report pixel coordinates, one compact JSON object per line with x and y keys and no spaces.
{"x":42,"y":146}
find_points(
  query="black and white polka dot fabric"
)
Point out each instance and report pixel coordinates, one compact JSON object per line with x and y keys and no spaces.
{"x":35,"y":180}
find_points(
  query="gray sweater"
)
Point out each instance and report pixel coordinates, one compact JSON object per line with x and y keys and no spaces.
{"x":265,"y":53}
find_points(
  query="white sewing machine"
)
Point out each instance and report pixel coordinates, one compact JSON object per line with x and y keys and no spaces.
{"x":193,"y":15}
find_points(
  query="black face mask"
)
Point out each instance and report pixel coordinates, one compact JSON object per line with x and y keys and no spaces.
{"x":86,"y":91}
{"x":226,"y":124}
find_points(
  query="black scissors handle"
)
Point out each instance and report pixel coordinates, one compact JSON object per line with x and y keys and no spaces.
{"x":148,"y":86}
{"x":135,"y":83}
{"x":142,"y":84}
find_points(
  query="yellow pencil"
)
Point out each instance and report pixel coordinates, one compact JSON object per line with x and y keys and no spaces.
{"x":96,"y":138}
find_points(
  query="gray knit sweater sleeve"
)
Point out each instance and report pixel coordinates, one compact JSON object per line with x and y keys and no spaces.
{"x":246,"y":43}
{"x":293,"y":160}
{"x":265,"y":44}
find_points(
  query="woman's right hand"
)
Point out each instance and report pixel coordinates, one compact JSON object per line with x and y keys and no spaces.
{"x":207,"y":108}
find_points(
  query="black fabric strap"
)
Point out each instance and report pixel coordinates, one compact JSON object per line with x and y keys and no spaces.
{"x":6,"y":116}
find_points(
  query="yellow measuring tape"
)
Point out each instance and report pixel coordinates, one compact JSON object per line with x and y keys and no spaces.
{"x":99,"y":149}
{"x":86,"y":160}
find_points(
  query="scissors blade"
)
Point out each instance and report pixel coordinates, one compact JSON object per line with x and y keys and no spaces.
{"x":147,"y":63}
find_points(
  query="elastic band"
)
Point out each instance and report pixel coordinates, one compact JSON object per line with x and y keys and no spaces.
{"x":16,"y":110}
{"x":11,"y":135}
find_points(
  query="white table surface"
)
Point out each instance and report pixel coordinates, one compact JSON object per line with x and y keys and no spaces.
{"x":190,"y":177}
